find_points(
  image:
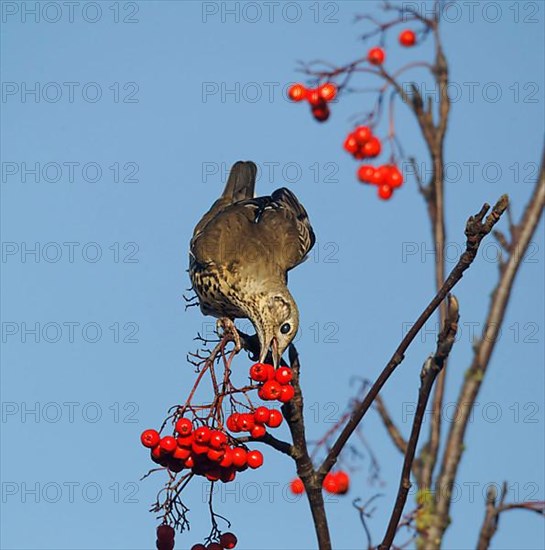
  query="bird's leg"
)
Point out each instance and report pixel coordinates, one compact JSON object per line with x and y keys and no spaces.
{"x":228,"y":328}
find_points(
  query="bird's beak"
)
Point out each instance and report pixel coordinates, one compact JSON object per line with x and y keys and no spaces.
{"x":271,"y":347}
{"x":275,"y":355}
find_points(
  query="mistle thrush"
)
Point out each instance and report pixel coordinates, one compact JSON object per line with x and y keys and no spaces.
{"x":240,"y":254}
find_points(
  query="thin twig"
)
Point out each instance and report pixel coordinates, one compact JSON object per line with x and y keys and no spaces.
{"x":431,"y":369}
{"x":476,"y":230}
{"x":481,"y":358}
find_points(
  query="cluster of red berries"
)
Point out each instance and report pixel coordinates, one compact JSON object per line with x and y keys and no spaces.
{"x":165,"y":537}
{"x":337,"y":483}
{"x":377,"y":55}
{"x":386,"y":177}
{"x":204,"y":451}
{"x":275,"y":383}
{"x":255,"y":422}
{"x":334,"y":482}
{"x":318,"y":98}
{"x":361,"y":143}
{"x":227,"y":541}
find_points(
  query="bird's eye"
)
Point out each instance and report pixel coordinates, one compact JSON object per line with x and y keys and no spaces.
{"x":285,"y":328}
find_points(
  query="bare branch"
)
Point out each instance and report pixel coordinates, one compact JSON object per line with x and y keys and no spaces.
{"x":494,"y":509}
{"x":432,"y":367}
{"x":475,"y":231}
{"x":482,"y":354}
{"x":398,"y":440}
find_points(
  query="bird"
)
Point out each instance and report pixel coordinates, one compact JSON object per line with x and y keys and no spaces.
{"x":240,"y":254}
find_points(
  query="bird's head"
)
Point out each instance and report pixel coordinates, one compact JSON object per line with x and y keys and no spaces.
{"x":276,"y":324}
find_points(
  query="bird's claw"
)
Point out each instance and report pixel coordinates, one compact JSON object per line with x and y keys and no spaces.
{"x":228,"y":329}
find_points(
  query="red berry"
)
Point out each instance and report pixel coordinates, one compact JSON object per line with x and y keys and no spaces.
{"x":190,"y":462}
{"x":372,"y":147}
{"x":184,"y":426}
{"x":407,"y":38}
{"x":262,"y":415}
{"x":150,"y":438}
{"x":384,"y":172}
{"x":213,"y":474}
{"x":165,"y":532}
{"x":199,"y":449}
{"x":228,"y":540}
{"x":350,"y":144}
{"x":260,"y":372}
{"x":185,"y":441}
{"x":227,"y":475}
{"x":297,"y":92}
{"x":275,"y":419}
{"x":202,"y":434}
{"x":245,"y":421}
{"x":214,"y":546}
{"x":286,"y":394}
{"x":162,"y":461}
{"x":218,"y":439}
{"x":377,"y":177}
{"x":270,"y":372}
{"x":328,"y":91}
{"x":215,"y":455}
{"x":283,"y":375}
{"x":362,"y":134}
{"x":321,"y":113}
{"x":297,"y":487}
{"x":365,"y":173}
{"x":168,"y":444}
{"x":232,"y":422}
{"x":227,"y":459}
{"x":175,"y":465}
{"x":239,"y":457}
{"x":198,"y":547}
{"x":164,"y":545}
{"x":314,"y":98}
{"x":156,"y":453}
{"x":254,"y":459}
{"x":181,"y":453}
{"x":385,"y":191}
{"x":376,"y":56}
{"x":343,"y":482}
{"x":270,"y":390}
{"x":330,"y":483}
{"x":359,"y":154}
{"x":394,"y":178}
{"x":258,"y":431}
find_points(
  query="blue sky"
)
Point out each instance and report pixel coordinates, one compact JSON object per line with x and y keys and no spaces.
{"x":136,"y":118}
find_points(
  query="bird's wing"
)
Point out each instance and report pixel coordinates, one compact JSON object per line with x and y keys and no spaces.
{"x":262,"y":237}
{"x":240,"y":186}
{"x":284,"y":223}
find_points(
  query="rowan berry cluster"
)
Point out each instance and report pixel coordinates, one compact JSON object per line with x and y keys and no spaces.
{"x":204,"y":451}
{"x":255,"y":422}
{"x":274,"y":383}
{"x":361,"y":143}
{"x":386,"y":177}
{"x":205,"y":441}
{"x":377,"y":55}
{"x":337,"y":483}
{"x":318,"y":98}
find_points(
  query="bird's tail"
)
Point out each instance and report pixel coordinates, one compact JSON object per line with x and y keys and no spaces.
{"x":241,"y":182}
